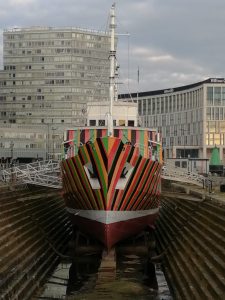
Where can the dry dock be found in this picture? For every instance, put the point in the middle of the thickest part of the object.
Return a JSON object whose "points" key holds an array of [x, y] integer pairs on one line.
{"points": [[191, 235], [35, 233], [33, 228]]}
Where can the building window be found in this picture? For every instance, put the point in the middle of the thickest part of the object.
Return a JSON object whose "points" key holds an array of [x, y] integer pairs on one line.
{"points": [[153, 106], [140, 107], [149, 107], [144, 106], [92, 122], [163, 120], [210, 95], [121, 122], [223, 96], [162, 105], [130, 123], [217, 96], [101, 122]]}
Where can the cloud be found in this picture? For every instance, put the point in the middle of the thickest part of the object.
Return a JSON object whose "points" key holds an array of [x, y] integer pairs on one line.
{"points": [[172, 42], [14, 3]]}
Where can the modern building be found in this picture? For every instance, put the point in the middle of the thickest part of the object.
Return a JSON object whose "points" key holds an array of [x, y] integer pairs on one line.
{"points": [[191, 118], [49, 75]]}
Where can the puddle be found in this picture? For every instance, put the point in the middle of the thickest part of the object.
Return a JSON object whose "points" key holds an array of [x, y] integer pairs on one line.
{"points": [[135, 278]]}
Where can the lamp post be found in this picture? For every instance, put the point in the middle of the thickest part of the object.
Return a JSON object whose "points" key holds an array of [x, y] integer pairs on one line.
{"points": [[53, 142], [11, 151], [48, 139], [11, 162]]}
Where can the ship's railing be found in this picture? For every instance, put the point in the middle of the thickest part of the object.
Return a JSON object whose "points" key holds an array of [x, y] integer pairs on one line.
{"points": [[70, 148], [150, 151], [46, 173]]}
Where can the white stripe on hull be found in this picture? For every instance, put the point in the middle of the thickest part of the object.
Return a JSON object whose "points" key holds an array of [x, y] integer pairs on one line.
{"points": [[110, 216]]}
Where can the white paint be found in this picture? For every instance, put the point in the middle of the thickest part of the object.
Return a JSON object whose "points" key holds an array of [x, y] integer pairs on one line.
{"points": [[110, 216]]}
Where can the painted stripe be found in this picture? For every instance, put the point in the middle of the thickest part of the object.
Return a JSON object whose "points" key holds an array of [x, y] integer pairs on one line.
{"points": [[108, 156], [110, 216]]}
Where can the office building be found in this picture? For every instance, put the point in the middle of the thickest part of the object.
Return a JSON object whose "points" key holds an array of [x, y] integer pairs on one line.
{"points": [[191, 118], [49, 75]]}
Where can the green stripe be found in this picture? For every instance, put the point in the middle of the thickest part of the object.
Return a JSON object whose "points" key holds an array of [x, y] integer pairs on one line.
{"points": [[125, 135], [85, 183], [105, 142], [142, 140], [84, 154], [99, 167], [72, 169], [92, 135]]}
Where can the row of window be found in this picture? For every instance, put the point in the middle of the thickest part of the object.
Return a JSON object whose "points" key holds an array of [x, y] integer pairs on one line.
{"points": [[53, 35], [53, 45], [215, 96], [22, 135], [22, 145], [172, 119], [74, 82], [215, 113], [58, 89], [192, 140], [35, 97], [215, 126], [53, 52], [167, 104], [215, 139], [115, 123]]}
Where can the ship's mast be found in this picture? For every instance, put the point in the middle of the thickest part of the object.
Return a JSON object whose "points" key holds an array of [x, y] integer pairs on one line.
{"points": [[112, 58]]}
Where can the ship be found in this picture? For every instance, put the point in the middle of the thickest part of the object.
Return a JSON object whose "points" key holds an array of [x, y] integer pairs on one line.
{"points": [[111, 174]]}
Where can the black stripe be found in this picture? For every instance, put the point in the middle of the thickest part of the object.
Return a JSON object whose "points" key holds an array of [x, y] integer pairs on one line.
{"points": [[114, 199], [82, 136], [133, 137], [130, 154], [102, 150], [130, 181], [116, 132], [144, 184], [120, 148], [89, 146]]}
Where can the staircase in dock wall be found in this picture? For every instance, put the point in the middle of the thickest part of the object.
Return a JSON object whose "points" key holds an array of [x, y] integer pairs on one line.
{"points": [[192, 236], [33, 223]]}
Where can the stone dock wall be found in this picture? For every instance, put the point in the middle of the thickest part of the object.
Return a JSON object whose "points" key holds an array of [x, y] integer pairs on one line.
{"points": [[190, 233], [34, 229]]}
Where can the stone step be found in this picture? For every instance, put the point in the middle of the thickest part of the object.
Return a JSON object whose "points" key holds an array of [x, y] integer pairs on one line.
{"points": [[212, 280], [181, 277], [197, 229]]}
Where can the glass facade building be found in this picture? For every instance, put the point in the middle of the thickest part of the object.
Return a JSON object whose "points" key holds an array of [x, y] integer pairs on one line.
{"points": [[191, 118]]}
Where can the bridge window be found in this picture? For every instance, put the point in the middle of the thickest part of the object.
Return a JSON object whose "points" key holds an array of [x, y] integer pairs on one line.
{"points": [[130, 123], [101, 122], [121, 122], [92, 122]]}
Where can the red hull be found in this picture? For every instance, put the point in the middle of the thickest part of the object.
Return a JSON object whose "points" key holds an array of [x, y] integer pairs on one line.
{"points": [[110, 234]]}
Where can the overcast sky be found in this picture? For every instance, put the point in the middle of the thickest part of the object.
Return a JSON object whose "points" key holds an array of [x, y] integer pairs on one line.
{"points": [[173, 42]]}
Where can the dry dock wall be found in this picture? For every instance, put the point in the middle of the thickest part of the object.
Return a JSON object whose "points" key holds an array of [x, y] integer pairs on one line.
{"points": [[33, 227], [191, 233]]}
